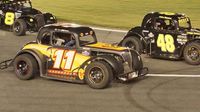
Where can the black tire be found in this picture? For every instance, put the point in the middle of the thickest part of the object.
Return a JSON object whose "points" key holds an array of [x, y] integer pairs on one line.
{"points": [[102, 69], [25, 66], [132, 42], [191, 53], [19, 27], [1, 18]]}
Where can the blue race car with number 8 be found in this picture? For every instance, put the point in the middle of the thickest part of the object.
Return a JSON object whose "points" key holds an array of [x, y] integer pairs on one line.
{"points": [[19, 16], [165, 35]]}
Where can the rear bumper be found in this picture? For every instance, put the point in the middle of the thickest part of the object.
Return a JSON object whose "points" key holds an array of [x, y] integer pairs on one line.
{"points": [[5, 64]]}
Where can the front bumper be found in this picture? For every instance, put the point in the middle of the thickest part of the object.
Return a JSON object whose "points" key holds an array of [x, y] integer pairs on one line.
{"points": [[132, 75], [133, 66]]}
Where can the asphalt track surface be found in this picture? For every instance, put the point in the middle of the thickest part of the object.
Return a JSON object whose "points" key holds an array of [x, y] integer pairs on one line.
{"points": [[149, 94]]}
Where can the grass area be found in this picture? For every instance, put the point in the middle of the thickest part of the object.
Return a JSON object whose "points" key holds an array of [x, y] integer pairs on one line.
{"points": [[122, 14]]}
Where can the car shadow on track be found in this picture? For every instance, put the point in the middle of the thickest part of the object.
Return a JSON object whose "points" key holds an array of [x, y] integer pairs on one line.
{"points": [[162, 66]]}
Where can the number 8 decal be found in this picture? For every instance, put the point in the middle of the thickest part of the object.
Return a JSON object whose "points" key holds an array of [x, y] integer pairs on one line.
{"points": [[9, 20], [63, 59]]}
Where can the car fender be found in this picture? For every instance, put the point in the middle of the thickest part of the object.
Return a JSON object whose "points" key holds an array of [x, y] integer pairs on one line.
{"points": [[183, 47], [30, 21], [41, 59], [115, 65], [136, 31], [49, 18]]}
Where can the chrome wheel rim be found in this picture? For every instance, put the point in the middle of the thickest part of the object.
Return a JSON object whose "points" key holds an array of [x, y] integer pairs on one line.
{"points": [[193, 53], [96, 75], [22, 68]]}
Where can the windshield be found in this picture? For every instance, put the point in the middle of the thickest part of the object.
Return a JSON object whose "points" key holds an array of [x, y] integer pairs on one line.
{"points": [[24, 4], [27, 5], [87, 39], [184, 23]]}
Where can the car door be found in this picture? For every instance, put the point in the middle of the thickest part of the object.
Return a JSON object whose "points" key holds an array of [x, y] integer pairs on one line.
{"points": [[164, 42], [148, 35], [64, 62]]}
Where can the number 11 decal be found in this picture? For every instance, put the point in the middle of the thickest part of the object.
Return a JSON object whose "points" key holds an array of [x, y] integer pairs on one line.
{"points": [[63, 59]]}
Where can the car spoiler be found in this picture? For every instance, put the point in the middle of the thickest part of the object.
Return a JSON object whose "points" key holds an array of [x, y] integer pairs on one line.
{"points": [[5, 64]]}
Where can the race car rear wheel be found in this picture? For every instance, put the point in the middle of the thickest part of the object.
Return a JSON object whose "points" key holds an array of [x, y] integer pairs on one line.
{"points": [[19, 27], [191, 53], [25, 66], [132, 42], [98, 74]]}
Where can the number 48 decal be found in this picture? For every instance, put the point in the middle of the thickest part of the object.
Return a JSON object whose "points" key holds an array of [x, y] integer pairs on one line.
{"points": [[166, 43], [63, 59]]}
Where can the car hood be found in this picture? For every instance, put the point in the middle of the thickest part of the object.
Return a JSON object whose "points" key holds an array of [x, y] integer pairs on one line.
{"points": [[194, 31], [106, 46], [30, 11]]}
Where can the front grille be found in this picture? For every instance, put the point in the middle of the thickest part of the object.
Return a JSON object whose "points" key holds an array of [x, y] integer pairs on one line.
{"points": [[136, 60], [127, 58]]}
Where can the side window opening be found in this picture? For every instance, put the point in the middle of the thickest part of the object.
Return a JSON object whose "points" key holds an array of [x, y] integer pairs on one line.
{"points": [[164, 24], [171, 25], [160, 24], [184, 23], [63, 39], [87, 39]]}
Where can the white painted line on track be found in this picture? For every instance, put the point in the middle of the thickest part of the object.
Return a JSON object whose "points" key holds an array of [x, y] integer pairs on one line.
{"points": [[112, 30], [172, 75]]}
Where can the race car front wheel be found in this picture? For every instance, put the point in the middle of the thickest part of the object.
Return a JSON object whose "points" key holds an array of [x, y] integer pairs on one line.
{"points": [[19, 27], [98, 75], [192, 53], [132, 42], [25, 66]]}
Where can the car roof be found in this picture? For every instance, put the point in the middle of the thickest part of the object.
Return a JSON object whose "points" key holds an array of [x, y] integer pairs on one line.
{"points": [[79, 30], [166, 14], [14, 1]]}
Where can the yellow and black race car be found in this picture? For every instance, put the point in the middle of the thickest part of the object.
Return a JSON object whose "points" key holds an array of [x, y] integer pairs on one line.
{"points": [[166, 35], [19, 16], [73, 54]]}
